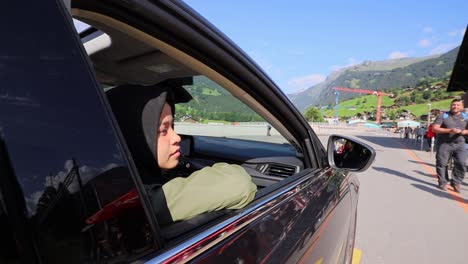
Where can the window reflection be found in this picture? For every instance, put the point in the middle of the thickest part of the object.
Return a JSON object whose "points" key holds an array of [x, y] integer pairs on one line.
{"points": [[66, 161]]}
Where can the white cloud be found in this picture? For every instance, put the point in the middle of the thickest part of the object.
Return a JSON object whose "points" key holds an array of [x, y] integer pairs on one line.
{"points": [[442, 48], [397, 55], [306, 81], [458, 32], [424, 43], [86, 174], [351, 61], [427, 30]]}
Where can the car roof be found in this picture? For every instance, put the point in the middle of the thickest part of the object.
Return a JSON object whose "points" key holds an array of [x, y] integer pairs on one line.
{"points": [[119, 58], [459, 79]]}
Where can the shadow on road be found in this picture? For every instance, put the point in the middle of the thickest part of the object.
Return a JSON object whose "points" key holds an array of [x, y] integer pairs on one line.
{"points": [[399, 174], [419, 162], [434, 190], [425, 174], [439, 193]]}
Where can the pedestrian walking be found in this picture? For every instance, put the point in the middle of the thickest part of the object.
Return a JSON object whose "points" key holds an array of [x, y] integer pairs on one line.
{"points": [[421, 131], [415, 132], [429, 135], [407, 132], [268, 130], [451, 128]]}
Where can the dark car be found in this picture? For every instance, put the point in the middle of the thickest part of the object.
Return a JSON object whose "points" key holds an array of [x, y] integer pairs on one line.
{"points": [[73, 188]]}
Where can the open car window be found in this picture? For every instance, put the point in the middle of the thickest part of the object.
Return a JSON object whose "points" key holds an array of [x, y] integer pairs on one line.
{"points": [[221, 124], [216, 112]]}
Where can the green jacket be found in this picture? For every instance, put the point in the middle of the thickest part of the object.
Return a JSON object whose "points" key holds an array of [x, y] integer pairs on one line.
{"points": [[222, 186]]}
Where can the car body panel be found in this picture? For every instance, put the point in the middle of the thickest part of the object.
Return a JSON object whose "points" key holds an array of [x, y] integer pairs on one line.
{"points": [[280, 228]]}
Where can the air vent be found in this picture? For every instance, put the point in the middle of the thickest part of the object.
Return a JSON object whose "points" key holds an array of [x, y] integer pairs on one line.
{"points": [[279, 170]]}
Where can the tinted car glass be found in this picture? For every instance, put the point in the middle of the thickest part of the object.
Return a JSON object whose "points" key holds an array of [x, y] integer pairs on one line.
{"points": [[8, 252], [61, 146]]}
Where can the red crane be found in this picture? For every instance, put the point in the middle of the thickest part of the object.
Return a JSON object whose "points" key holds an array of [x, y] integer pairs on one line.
{"points": [[362, 91]]}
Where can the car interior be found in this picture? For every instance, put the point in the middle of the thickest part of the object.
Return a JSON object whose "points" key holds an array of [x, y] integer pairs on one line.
{"points": [[124, 56], [116, 65]]}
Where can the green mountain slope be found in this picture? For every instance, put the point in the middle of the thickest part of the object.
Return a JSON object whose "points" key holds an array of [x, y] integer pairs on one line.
{"points": [[212, 102], [374, 78]]}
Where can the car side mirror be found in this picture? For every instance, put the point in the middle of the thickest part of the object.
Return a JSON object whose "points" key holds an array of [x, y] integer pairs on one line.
{"points": [[349, 154]]}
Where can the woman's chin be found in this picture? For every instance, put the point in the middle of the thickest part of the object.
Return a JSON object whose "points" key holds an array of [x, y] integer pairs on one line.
{"points": [[169, 164]]}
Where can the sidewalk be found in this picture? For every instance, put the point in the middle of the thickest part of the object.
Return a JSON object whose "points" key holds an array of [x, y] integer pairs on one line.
{"points": [[424, 155], [428, 161]]}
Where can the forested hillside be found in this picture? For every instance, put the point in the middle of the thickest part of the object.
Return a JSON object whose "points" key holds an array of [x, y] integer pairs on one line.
{"points": [[212, 102]]}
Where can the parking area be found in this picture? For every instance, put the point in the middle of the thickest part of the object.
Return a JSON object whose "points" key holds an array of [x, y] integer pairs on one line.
{"points": [[402, 216]]}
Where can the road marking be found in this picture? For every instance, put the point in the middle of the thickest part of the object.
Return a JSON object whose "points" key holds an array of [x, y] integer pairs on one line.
{"points": [[319, 261], [455, 196], [356, 256]]}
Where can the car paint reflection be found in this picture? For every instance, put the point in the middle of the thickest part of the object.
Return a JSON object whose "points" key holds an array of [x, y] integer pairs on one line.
{"points": [[283, 227]]}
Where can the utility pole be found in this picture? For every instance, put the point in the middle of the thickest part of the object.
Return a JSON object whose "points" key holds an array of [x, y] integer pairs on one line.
{"points": [[335, 110], [429, 115]]}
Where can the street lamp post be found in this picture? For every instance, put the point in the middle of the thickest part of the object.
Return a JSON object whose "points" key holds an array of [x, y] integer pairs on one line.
{"points": [[429, 115], [428, 124]]}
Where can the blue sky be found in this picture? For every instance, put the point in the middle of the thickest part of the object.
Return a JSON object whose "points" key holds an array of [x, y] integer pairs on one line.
{"points": [[299, 42]]}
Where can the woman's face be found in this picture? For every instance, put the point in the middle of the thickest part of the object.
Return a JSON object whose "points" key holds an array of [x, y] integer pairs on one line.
{"points": [[168, 140]]}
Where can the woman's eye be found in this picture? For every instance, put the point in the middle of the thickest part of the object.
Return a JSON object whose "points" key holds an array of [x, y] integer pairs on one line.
{"points": [[162, 131]]}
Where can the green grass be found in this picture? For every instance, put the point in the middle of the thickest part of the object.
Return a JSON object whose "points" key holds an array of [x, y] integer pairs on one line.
{"points": [[212, 92], [361, 104], [351, 107], [421, 109], [206, 121]]}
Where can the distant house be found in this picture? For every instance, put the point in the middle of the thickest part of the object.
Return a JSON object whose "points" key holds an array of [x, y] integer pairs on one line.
{"points": [[409, 123], [188, 119]]}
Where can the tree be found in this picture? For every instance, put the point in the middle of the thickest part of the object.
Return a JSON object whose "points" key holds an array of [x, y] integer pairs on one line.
{"points": [[404, 100], [392, 114], [312, 114], [426, 95]]}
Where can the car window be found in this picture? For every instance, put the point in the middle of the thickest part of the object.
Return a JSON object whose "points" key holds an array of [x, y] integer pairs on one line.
{"points": [[77, 197], [216, 112]]}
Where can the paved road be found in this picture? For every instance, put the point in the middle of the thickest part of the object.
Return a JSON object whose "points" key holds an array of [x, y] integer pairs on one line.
{"points": [[402, 216]]}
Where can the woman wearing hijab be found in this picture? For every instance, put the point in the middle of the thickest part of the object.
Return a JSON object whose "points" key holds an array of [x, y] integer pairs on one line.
{"points": [[146, 118]]}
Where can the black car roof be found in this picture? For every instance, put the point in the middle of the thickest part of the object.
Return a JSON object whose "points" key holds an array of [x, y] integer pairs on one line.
{"points": [[459, 78]]}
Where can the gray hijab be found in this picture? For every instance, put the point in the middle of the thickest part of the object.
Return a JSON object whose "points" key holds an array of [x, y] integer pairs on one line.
{"points": [[137, 110]]}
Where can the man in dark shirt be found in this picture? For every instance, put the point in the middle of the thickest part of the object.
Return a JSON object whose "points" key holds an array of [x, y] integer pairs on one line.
{"points": [[451, 128]]}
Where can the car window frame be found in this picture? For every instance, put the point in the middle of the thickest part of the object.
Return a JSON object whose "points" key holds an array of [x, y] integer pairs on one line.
{"points": [[229, 80]]}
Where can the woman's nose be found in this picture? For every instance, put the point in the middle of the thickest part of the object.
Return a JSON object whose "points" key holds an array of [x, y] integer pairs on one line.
{"points": [[175, 137]]}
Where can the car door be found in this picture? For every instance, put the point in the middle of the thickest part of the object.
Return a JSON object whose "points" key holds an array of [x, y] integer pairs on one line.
{"points": [[304, 217], [64, 172]]}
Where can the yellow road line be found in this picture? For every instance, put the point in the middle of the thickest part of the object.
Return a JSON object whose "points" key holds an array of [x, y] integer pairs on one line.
{"points": [[319, 261], [356, 256]]}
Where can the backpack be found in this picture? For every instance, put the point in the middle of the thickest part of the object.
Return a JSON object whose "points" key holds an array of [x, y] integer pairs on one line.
{"points": [[446, 115]]}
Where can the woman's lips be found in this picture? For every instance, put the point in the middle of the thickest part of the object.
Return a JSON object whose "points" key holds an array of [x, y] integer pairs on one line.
{"points": [[176, 154]]}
